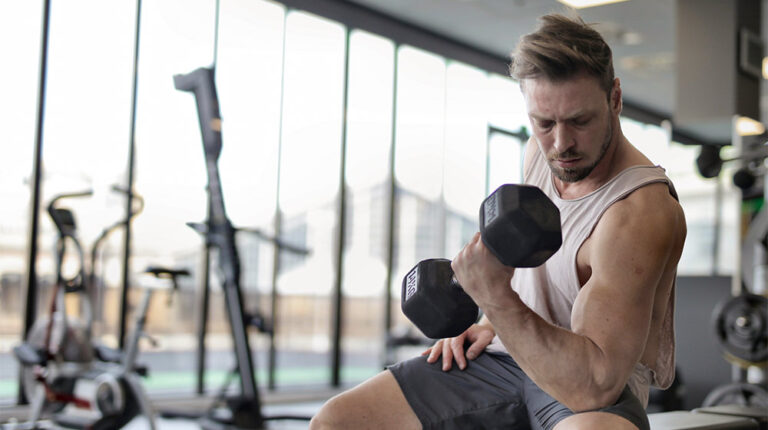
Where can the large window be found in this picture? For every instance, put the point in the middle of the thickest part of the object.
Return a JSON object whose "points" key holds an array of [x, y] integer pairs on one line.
{"points": [[86, 142], [419, 159], [367, 175], [19, 40], [309, 184], [466, 131], [170, 175], [249, 82], [507, 122]]}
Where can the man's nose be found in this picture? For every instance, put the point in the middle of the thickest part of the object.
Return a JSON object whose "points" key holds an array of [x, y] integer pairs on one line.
{"points": [[563, 138]]}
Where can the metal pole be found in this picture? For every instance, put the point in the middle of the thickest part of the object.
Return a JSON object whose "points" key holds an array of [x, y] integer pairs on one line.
{"points": [[391, 216], [202, 322], [129, 195], [338, 295], [442, 207], [278, 226], [30, 306], [205, 284], [717, 227]]}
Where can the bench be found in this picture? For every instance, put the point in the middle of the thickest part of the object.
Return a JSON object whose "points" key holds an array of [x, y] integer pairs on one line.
{"points": [[726, 417]]}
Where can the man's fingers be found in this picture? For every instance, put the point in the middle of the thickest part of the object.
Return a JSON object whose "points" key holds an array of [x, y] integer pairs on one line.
{"points": [[447, 355], [434, 351], [475, 350], [451, 349], [457, 348], [478, 340]]}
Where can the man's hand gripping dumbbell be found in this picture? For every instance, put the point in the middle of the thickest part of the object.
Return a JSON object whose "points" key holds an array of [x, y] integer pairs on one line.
{"points": [[519, 225]]}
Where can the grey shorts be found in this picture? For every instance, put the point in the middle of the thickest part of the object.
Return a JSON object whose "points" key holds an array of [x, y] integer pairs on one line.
{"points": [[492, 392]]}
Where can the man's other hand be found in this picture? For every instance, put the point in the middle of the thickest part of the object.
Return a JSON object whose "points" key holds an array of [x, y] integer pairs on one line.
{"points": [[478, 337]]}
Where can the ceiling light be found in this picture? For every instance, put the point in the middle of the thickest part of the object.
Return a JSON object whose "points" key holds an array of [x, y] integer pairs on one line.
{"points": [[747, 126], [580, 4]]}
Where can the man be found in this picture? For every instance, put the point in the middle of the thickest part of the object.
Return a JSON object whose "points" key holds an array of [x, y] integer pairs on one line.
{"points": [[576, 342]]}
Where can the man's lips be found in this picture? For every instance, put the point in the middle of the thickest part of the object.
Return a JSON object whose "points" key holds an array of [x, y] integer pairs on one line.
{"points": [[567, 162]]}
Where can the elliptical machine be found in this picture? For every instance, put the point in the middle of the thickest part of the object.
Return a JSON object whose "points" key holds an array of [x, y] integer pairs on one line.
{"points": [[59, 354]]}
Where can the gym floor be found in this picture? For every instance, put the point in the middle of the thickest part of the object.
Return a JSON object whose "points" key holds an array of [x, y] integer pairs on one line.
{"points": [[298, 409], [271, 408]]}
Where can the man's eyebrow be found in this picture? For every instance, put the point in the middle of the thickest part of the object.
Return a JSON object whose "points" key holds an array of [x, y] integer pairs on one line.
{"points": [[539, 117], [571, 117]]}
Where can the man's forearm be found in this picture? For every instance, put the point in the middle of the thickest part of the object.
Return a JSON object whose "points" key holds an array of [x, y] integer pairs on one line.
{"points": [[484, 321], [569, 367]]}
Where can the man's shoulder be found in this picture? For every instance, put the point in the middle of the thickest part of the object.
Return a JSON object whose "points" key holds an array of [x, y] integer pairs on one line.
{"points": [[650, 209], [653, 197]]}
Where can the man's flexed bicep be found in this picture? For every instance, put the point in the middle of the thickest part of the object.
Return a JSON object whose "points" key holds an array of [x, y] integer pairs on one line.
{"points": [[636, 243]]}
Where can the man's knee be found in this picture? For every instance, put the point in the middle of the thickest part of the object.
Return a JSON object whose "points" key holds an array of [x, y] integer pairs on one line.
{"points": [[376, 403], [595, 421], [331, 414]]}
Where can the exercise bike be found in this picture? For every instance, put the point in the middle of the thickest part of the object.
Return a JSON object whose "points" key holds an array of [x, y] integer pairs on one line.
{"points": [[59, 355]]}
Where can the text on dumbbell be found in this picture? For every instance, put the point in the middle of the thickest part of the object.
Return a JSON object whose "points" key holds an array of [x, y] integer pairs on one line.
{"points": [[491, 208], [410, 286]]}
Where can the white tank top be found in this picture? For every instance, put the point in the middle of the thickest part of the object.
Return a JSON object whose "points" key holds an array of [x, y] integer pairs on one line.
{"points": [[551, 289]]}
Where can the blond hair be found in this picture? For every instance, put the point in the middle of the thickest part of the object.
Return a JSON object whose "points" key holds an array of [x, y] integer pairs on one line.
{"points": [[560, 48]]}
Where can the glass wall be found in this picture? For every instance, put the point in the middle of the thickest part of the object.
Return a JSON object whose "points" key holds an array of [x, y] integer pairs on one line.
{"points": [[21, 24], [367, 178], [309, 184], [86, 135], [419, 157], [249, 83], [466, 131], [170, 175], [507, 121]]}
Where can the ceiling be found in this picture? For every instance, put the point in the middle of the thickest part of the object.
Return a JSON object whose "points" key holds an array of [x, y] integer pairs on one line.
{"points": [[641, 34]]}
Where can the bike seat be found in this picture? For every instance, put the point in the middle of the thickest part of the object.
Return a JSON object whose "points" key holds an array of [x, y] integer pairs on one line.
{"points": [[112, 355], [164, 272]]}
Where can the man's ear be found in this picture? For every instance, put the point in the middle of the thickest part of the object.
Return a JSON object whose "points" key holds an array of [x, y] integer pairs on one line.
{"points": [[616, 100]]}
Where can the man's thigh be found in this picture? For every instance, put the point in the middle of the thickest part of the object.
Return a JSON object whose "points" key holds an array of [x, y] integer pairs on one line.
{"points": [[486, 394], [595, 421], [377, 403], [547, 413]]}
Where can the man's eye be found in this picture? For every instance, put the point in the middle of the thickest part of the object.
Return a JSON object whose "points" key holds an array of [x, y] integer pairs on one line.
{"points": [[545, 124], [581, 121]]}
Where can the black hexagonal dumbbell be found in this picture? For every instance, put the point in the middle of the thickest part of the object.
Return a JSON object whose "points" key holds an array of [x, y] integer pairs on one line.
{"points": [[519, 224]]}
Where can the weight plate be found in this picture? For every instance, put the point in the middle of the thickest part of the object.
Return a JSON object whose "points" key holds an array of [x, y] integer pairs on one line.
{"points": [[741, 326]]}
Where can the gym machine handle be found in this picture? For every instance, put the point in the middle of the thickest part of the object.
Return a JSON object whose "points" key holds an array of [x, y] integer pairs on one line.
{"points": [[201, 83], [62, 218]]}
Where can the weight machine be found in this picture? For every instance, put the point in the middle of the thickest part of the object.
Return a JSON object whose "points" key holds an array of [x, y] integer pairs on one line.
{"points": [[741, 322], [243, 410]]}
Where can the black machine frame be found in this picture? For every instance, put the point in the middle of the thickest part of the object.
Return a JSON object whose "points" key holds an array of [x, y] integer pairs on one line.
{"points": [[244, 409]]}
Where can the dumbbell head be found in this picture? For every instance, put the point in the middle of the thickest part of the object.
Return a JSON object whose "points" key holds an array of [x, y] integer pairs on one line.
{"points": [[520, 225], [433, 300]]}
